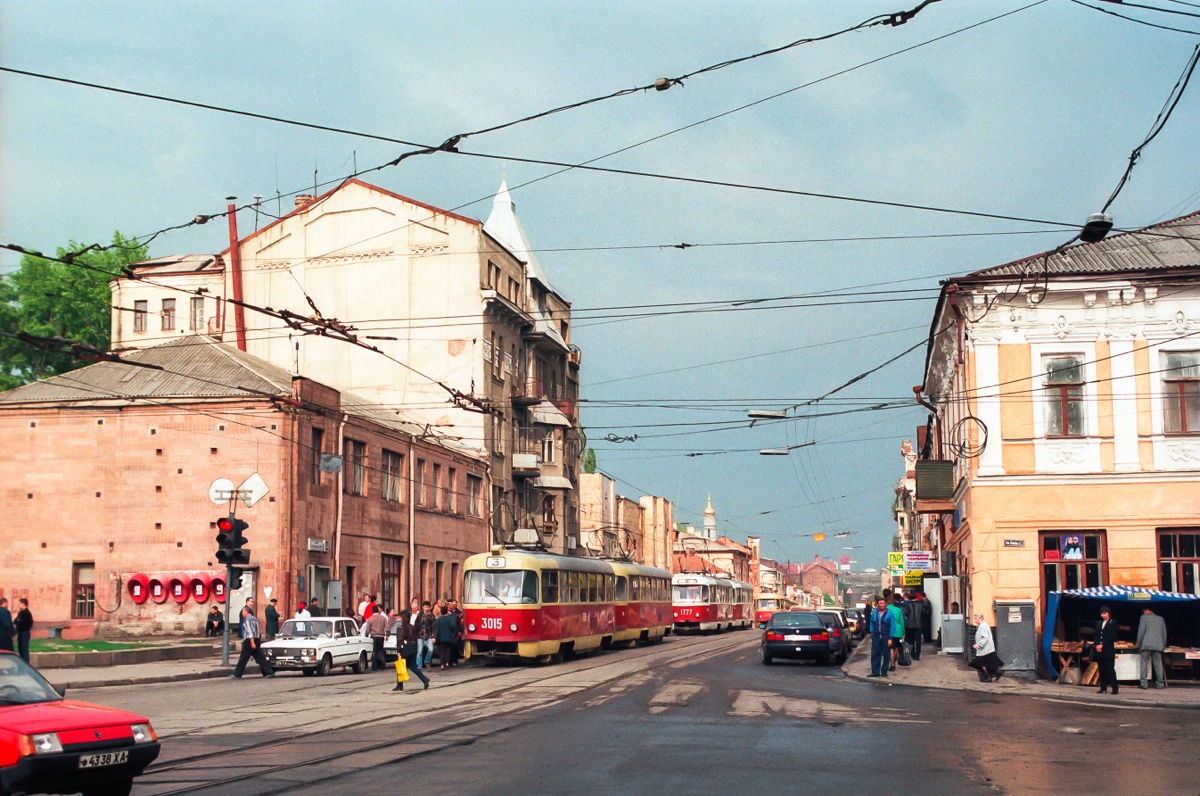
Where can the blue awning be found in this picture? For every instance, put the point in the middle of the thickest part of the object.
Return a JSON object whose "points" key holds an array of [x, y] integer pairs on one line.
{"points": [[1114, 594]]}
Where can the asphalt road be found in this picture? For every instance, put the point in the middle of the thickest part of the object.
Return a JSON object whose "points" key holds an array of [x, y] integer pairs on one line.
{"points": [[694, 715]]}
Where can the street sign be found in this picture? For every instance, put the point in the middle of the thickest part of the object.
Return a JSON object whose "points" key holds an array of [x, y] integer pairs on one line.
{"points": [[895, 560], [221, 491], [918, 561], [844, 560], [253, 489], [895, 571]]}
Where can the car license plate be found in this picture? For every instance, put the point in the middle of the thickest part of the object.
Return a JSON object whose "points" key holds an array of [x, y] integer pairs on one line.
{"points": [[105, 759], [797, 638]]}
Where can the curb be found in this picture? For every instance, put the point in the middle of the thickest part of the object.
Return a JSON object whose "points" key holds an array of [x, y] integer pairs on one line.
{"points": [[210, 674], [1089, 697]]}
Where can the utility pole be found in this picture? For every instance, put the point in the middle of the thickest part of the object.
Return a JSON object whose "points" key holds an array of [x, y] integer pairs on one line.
{"points": [[235, 267]]}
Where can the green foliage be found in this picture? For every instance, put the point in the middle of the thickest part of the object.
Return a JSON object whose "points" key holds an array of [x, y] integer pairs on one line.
{"points": [[589, 460], [52, 299]]}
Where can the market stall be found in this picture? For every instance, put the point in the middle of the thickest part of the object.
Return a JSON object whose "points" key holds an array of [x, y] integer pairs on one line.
{"points": [[1072, 616]]}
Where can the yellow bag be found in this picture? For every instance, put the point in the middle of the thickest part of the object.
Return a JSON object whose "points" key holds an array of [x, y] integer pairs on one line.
{"points": [[401, 671]]}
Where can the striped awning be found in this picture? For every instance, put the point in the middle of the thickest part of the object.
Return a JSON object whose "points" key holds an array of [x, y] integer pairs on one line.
{"points": [[1128, 594]]}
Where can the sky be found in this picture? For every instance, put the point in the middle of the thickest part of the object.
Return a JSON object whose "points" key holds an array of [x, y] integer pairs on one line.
{"points": [[1032, 115]]}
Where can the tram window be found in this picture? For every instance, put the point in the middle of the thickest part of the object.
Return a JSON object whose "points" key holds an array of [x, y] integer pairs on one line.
{"points": [[608, 588], [501, 587], [593, 587], [622, 590], [550, 586], [684, 593], [572, 587], [635, 589], [529, 591]]}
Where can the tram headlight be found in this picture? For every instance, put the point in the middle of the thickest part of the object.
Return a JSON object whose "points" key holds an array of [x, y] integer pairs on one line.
{"points": [[471, 628], [513, 627]]}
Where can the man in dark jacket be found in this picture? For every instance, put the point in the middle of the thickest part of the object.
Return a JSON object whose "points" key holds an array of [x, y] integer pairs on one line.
{"points": [[272, 617], [881, 634], [7, 629], [24, 626], [912, 624], [1106, 651], [457, 613]]}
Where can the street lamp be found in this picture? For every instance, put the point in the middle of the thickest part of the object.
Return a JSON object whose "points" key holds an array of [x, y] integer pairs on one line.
{"points": [[767, 414], [785, 451]]}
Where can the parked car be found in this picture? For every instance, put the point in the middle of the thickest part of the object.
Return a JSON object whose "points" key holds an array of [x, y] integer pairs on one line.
{"points": [[860, 624], [796, 635], [840, 641], [49, 744], [317, 646]]}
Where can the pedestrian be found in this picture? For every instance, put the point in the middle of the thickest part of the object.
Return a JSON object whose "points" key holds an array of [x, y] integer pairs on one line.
{"points": [[897, 626], [272, 617], [248, 631], [24, 626], [447, 635], [362, 606], [214, 625], [7, 629], [954, 609], [426, 632], [1105, 651], [912, 624], [314, 608], [406, 649], [1151, 641], [302, 611], [926, 618], [881, 633], [414, 612], [458, 639], [376, 628], [986, 660]]}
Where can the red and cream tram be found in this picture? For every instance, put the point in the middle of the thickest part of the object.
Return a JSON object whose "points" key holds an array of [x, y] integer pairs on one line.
{"points": [[705, 602], [533, 604], [768, 604]]}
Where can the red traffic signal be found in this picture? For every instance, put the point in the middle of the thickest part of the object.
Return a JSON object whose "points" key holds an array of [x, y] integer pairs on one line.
{"points": [[230, 541]]}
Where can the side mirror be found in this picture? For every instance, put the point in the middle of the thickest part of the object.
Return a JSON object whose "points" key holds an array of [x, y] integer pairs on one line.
{"points": [[61, 690]]}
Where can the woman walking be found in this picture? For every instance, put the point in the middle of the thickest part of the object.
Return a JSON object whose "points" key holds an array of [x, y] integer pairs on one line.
{"points": [[986, 660], [406, 649], [447, 636]]}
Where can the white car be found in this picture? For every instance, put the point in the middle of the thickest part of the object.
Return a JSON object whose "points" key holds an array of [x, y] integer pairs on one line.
{"points": [[316, 646]]}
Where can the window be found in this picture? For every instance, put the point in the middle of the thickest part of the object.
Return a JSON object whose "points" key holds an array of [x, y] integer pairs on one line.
{"points": [[497, 355], [140, 310], [550, 586], [423, 584], [393, 477], [497, 435], [497, 498], [1179, 560], [514, 291], [493, 276], [474, 495], [451, 489], [436, 487], [1072, 560], [502, 587], [455, 580], [168, 315], [419, 484], [548, 515], [1181, 392], [548, 448], [355, 467], [318, 441], [197, 319], [622, 589], [439, 570], [1064, 395], [392, 571], [83, 583]]}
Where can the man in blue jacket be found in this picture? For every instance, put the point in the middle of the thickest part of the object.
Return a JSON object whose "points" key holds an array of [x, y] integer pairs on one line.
{"points": [[881, 634]]}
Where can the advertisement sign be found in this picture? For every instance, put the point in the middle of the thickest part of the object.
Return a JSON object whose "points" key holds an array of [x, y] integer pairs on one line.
{"points": [[895, 560], [913, 578], [919, 561]]}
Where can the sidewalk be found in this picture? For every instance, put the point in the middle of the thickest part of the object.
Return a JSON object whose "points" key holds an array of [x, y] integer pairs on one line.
{"points": [[141, 673], [951, 673]]}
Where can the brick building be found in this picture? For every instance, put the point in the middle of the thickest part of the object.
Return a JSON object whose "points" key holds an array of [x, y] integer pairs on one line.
{"points": [[108, 469], [819, 576]]}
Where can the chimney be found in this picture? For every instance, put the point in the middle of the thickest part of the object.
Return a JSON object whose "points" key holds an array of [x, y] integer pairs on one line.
{"points": [[304, 200]]}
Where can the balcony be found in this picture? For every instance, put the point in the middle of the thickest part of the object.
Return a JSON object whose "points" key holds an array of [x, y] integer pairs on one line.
{"points": [[527, 392], [568, 408], [526, 465], [935, 486], [575, 356]]}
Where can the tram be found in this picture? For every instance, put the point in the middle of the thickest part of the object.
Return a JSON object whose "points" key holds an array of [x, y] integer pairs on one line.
{"points": [[523, 603], [703, 602], [770, 603]]}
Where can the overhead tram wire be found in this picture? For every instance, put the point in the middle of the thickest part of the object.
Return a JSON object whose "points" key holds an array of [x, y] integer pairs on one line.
{"points": [[1143, 7], [1135, 19]]}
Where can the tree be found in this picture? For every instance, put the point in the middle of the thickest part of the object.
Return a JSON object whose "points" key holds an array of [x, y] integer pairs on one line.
{"points": [[51, 299], [589, 460]]}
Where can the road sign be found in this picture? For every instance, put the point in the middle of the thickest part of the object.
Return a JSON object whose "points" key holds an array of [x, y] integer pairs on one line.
{"points": [[221, 491], [844, 561], [919, 561], [253, 489]]}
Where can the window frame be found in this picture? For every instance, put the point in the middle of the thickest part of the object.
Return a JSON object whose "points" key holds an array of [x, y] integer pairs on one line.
{"points": [[1175, 391], [83, 595], [1177, 560], [196, 314], [141, 315], [1044, 560], [392, 480], [317, 446], [354, 465], [168, 315], [1057, 398]]}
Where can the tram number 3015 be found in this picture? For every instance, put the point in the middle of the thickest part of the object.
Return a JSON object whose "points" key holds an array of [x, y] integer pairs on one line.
{"points": [[491, 623]]}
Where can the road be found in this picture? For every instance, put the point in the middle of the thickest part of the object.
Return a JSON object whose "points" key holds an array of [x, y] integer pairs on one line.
{"points": [[692, 715]]}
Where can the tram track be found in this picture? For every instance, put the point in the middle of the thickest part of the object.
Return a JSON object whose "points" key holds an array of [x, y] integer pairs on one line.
{"points": [[702, 648]]}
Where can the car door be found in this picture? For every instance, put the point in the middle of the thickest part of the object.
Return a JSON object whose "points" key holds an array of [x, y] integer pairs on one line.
{"points": [[344, 650]]}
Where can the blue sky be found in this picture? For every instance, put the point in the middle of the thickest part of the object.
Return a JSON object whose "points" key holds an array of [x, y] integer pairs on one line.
{"points": [[1033, 115]]}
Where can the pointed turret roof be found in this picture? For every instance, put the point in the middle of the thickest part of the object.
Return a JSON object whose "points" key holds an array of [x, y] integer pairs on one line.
{"points": [[503, 225]]}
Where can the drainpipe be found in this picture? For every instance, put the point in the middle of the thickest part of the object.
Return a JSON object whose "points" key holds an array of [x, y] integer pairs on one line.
{"points": [[412, 516], [337, 528], [235, 270]]}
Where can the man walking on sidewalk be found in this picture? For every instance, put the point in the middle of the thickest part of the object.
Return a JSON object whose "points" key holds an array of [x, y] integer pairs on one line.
{"points": [[377, 627], [897, 626], [1151, 641], [881, 634], [249, 632], [912, 624], [24, 625]]}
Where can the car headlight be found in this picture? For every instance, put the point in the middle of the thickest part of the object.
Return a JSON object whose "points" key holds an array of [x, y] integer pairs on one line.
{"points": [[46, 743], [513, 627], [471, 628], [143, 733], [309, 653]]}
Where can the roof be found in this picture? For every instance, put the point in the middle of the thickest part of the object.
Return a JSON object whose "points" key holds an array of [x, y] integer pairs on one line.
{"points": [[182, 264], [1171, 244], [193, 366], [503, 226]]}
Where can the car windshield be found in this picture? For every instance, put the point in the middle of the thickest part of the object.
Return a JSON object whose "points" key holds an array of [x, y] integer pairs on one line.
{"points": [[796, 619], [502, 587], [20, 684], [690, 593], [306, 628], [830, 617]]}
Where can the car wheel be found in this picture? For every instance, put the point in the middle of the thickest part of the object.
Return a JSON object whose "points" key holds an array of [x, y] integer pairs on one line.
{"points": [[309, 672], [325, 665], [767, 659], [360, 665]]}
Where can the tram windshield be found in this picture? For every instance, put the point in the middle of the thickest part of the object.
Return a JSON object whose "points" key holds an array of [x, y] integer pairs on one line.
{"points": [[691, 593], [499, 587], [768, 605]]}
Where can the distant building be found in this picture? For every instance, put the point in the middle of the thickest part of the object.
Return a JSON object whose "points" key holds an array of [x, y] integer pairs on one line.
{"points": [[614, 525], [819, 576], [109, 473], [695, 552]]}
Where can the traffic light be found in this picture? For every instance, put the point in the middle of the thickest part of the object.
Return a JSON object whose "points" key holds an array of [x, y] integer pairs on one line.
{"points": [[231, 540], [235, 579]]}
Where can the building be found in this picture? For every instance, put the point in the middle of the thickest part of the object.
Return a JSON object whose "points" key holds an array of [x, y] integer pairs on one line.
{"points": [[819, 577], [471, 338], [110, 467], [909, 531], [696, 552], [658, 531], [614, 525], [1063, 444]]}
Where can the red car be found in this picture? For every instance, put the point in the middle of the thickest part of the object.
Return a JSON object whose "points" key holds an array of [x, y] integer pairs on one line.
{"points": [[53, 745]]}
